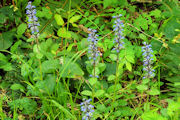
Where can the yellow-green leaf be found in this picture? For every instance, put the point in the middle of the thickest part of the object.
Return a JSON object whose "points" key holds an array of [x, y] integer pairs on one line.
{"points": [[62, 32], [74, 18], [59, 19], [128, 66]]}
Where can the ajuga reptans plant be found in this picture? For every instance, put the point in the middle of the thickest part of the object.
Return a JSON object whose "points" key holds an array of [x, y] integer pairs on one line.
{"points": [[148, 61], [93, 49], [118, 29], [32, 19], [87, 109]]}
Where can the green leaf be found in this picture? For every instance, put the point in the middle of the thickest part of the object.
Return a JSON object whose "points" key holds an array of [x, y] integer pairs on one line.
{"points": [[113, 57], [21, 29], [156, 13], [36, 2], [59, 19], [4, 64], [70, 69], [92, 81], [154, 91], [99, 93], [128, 66], [74, 18], [130, 58], [26, 105], [25, 70], [6, 40], [50, 66], [111, 77], [142, 87], [86, 92], [113, 88], [17, 87], [62, 32]]}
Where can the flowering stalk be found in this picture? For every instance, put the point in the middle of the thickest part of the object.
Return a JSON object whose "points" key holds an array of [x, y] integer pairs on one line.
{"points": [[87, 109], [32, 19], [93, 49], [118, 29], [148, 61]]}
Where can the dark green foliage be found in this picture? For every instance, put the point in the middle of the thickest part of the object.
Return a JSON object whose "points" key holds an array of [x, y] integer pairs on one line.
{"points": [[47, 77]]}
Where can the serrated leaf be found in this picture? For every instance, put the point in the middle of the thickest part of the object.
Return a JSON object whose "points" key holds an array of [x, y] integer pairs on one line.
{"points": [[62, 32], [59, 19]]}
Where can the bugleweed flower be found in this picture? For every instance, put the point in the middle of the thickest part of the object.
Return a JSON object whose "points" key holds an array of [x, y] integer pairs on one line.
{"points": [[87, 109], [148, 61], [118, 29], [32, 19], [93, 49]]}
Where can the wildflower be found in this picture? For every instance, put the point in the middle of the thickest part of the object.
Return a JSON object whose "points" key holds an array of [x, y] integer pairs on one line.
{"points": [[148, 61], [93, 50], [87, 109], [118, 29], [32, 19]]}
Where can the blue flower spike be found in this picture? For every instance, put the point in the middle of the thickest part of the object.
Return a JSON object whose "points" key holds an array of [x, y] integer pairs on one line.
{"points": [[93, 49], [148, 61], [87, 109], [118, 29], [32, 19]]}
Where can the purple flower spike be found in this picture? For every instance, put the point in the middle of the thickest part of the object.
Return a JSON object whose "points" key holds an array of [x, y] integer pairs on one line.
{"points": [[148, 61], [93, 49], [87, 109], [118, 29], [32, 19]]}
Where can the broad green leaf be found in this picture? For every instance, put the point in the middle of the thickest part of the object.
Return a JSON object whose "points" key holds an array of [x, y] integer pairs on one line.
{"points": [[142, 87], [62, 32], [154, 91], [156, 13], [113, 57], [99, 93], [86, 92], [50, 66], [92, 81], [25, 70], [6, 40], [128, 66], [70, 69], [36, 2], [4, 64], [59, 19], [113, 88], [21, 29], [101, 66], [74, 18], [17, 87], [130, 58], [111, 77]]}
